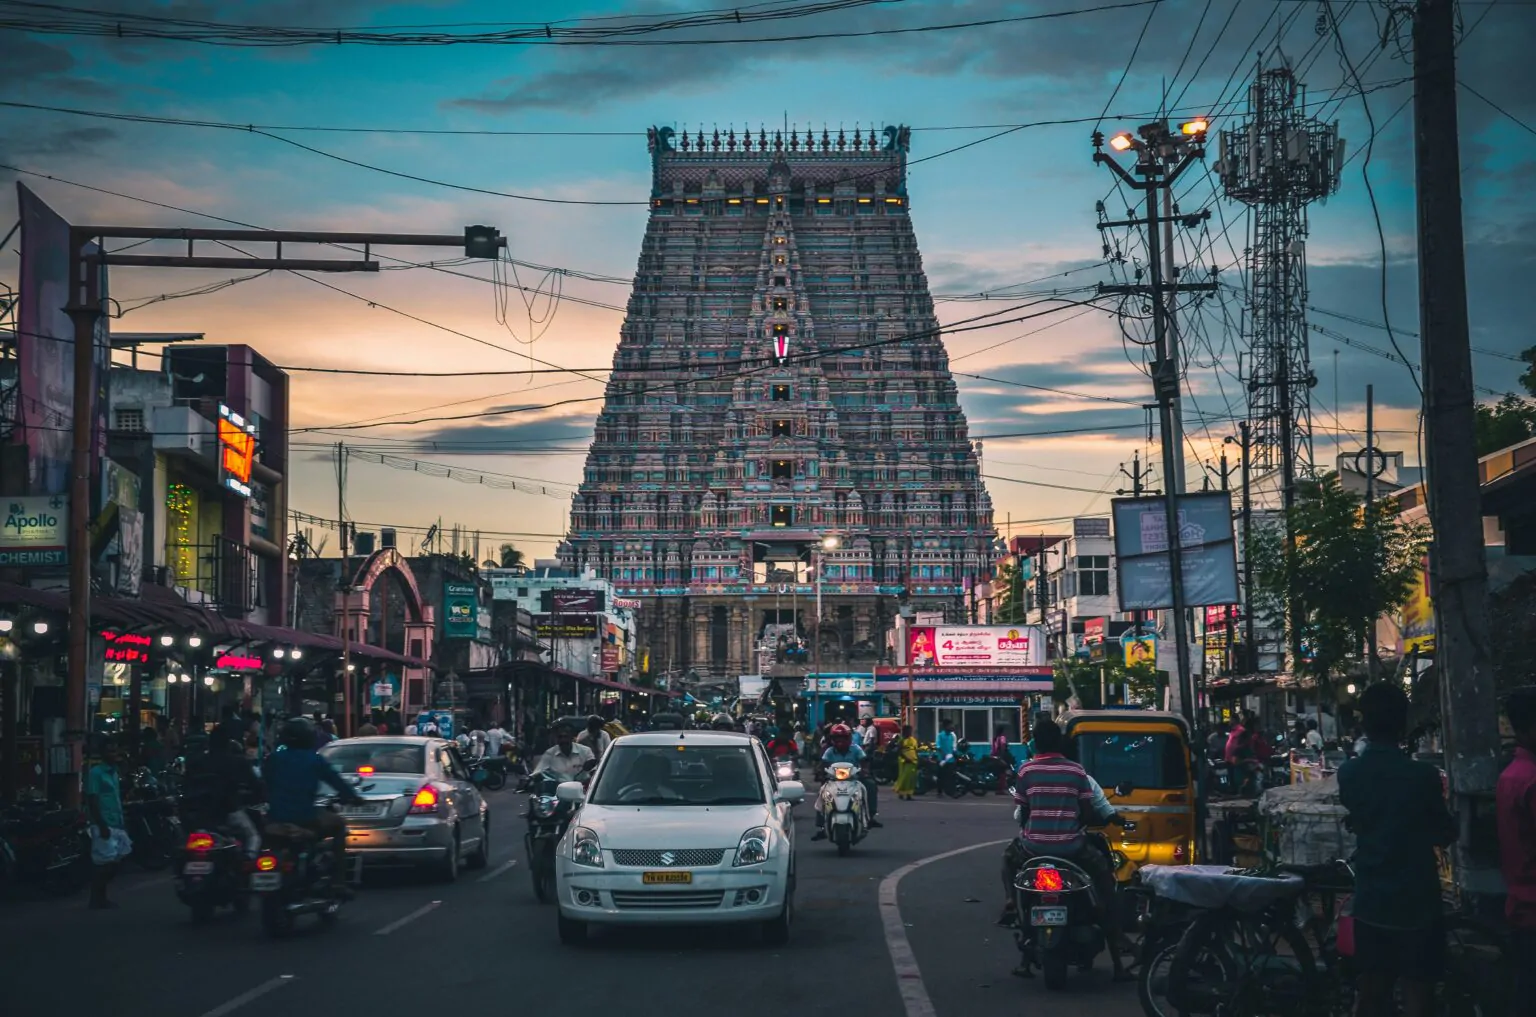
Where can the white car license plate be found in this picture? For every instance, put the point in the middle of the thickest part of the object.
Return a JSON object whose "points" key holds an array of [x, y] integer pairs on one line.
{"points": [[363, 811], [197, 868], [266, 882], [1047, 916]]}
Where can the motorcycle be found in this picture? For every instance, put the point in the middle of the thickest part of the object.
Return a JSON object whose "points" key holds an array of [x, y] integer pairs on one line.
{"points": [[843, 807], [785, 769], [547, 819], [47, 847], [211, 872], [294, 875], [489, 772], [1060, 915]]}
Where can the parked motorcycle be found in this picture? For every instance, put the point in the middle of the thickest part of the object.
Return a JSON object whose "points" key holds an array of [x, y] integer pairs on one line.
{"points": [[1060, 916], [843, 807], [211, 872], [547, 819], [294, 875], [489, 772], [44, 846]]}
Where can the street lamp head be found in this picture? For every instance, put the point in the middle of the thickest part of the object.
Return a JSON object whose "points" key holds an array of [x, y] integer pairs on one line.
{"points": [[830, 543], [1195, 128], [40, 628], [194, 641], [1123, 142], [167, 640], [278, 652], [295, 653]]}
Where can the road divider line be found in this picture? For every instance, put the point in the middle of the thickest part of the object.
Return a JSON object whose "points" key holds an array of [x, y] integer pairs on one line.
{"points": [[909, 978], [249, 996], [401, 923], [498, 870]]}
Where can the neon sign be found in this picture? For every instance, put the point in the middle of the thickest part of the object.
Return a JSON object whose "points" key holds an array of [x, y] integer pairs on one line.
{"points": [[235, 662], [125, 648], [237, 451]]}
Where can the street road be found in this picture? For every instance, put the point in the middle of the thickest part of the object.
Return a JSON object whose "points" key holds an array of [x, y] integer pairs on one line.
{"points": [[408, 945]]}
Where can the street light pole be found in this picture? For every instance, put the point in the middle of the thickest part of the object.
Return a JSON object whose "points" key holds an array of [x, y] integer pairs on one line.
{"points": [[827, 544]]}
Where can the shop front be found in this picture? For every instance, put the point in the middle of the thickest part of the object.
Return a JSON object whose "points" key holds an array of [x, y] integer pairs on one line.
{"points": [[976, 701]]}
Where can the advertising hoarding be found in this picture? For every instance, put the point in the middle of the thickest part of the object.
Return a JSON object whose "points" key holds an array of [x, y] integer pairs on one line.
{"points": [[461, 604], [575, 601], [1208, 551], [975, 646], [566, 626]]}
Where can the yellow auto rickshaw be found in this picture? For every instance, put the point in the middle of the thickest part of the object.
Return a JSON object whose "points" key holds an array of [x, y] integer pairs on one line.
{"points": [[1141, 758]]}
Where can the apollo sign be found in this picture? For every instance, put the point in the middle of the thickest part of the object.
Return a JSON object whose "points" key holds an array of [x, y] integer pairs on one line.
{"points": [[34, 531]]}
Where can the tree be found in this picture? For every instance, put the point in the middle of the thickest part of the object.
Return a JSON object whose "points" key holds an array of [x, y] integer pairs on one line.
{"points": [[1507, 422], [1083, 677], [511, 557], [1348, 568], [1011, 611]]}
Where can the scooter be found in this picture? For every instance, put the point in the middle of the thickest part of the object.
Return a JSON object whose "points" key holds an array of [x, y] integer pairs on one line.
{"points": [[1060, 923], [785, 769], [843, 807]]}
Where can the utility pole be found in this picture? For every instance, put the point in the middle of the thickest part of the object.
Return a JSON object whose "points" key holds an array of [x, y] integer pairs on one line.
{"points": [[87, 254], [1137, 475], [1161, 157], [1226, 487], [1246, 444], [344, 586], [1458, 563], [1371, 652]]}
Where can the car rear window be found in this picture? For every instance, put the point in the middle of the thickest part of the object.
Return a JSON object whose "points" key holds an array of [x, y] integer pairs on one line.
{"points": [[384, 757]]}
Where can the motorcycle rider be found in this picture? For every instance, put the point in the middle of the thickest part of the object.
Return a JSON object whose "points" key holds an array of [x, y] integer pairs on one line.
{"points": [[843, 750], [567, 759], [723, 722], [594, 737], [293, 777], [1054, 794], [782, 745], [220, 783]]}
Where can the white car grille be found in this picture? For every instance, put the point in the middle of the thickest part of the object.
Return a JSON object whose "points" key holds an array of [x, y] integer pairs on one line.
{"points": [[664, 900], [679, 858]]}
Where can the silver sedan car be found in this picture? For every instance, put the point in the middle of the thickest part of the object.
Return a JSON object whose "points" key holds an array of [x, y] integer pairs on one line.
{"points": [[420, 807]]}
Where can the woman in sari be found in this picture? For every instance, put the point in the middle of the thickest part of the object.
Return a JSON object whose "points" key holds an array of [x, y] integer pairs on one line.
{"points": [[906, 774]]}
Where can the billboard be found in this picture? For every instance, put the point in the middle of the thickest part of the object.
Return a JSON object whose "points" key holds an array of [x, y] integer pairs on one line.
{"points": [[566, 626], [1417, 629], [1208, 551], [574, 601], [35, 531], [461, 610], [1140, 648], [45, 349], [975, 646], [237, 451]]}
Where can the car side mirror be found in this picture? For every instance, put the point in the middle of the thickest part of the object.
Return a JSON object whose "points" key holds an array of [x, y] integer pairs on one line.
{"points": [[571, 792], [1124, 788], [791, 791]]}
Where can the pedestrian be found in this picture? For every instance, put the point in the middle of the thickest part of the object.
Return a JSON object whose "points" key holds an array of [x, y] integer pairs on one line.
{"points": [[367, 731], [496, 738], [1002, 753], [1397, 811], [1314, 737], [110, 843], [906, 773], [1517, 846]]}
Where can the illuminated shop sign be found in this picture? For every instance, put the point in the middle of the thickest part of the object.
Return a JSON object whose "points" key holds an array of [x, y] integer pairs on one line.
{"points": [[125, 648], [237, 451], [235, 662]]}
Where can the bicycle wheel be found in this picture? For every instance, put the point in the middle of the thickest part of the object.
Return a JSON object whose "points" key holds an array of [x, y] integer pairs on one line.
{"points": [[1476, 971], [1152, 984], [1233, 965]]}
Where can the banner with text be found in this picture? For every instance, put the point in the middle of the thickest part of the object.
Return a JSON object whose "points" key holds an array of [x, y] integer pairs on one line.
{"points": [[975, 646]]}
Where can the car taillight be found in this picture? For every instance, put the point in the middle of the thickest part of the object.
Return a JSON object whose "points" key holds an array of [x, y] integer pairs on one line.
{"points": [[1049, 880], [364, 770], [266, 863], [425, 801], [200, 842]]}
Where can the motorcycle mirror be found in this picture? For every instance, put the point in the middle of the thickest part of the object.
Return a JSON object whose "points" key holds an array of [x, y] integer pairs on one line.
{"points": [[1124, 788]]}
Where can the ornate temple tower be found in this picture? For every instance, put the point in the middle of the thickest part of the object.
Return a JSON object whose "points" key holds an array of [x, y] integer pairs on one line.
{"points": [[779, 380]]}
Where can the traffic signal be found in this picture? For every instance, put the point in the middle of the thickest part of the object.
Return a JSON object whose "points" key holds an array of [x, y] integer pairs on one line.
{"points": [[482, 242]]}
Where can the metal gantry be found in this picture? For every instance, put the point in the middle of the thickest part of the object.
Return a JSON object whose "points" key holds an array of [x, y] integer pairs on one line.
{"points": [[1280, 161]]}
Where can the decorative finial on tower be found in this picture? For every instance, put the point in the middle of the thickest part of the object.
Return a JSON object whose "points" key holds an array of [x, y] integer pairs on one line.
{"points": [[715, 145], [778, 141], [762, 138], [842, 140], [730, 140], [858, 138], [794, 140]]}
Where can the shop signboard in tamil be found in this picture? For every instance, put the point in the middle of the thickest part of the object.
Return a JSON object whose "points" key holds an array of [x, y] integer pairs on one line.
{"points": [[1090, 526], [125, 647], [461, 609], [610, 659], [976, 646], [35, 531], [237, 662], [840, 685], [1139, 648]]}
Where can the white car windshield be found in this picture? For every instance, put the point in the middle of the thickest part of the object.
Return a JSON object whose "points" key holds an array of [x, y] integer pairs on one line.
{"points": [[678, 774]]}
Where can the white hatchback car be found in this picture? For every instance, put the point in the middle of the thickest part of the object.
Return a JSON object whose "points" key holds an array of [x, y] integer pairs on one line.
{"points": [[679, 828]]}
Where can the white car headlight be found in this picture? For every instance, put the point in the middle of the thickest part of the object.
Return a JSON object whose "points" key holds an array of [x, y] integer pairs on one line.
{"points": [[753, 849], [585, 848]]}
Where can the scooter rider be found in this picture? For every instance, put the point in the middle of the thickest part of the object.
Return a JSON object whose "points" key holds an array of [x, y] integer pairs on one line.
{"points": [[567, 759], [293, 778], [1054, 794], [843, 750]]}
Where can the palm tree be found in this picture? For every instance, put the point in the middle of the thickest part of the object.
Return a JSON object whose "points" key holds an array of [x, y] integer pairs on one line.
{"points": [[511, 557]]}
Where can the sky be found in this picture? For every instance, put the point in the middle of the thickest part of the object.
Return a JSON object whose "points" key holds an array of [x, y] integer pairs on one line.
{"points": [[1011, 211]]}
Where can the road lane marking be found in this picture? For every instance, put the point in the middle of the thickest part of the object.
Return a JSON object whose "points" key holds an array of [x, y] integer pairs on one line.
{"points": [[909, 979], [400, 923], [246, 997], [498, 870]]}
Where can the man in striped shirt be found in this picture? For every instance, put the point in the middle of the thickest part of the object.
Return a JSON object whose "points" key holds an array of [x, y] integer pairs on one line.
{"points": [[1056, 800]]}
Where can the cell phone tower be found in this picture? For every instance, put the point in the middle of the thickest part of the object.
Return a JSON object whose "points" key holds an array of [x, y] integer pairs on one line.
{"points": [[1280, 161]]}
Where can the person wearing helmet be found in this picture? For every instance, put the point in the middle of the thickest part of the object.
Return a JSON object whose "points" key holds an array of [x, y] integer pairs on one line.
{"points": [[723, 722], [293, 775], [567, 759], [594, 737], [668, 722], [842, 749]]}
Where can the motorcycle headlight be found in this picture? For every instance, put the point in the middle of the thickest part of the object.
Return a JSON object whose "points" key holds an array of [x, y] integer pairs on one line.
{"points": [[544, 806], [753, 849], [585, 848]]}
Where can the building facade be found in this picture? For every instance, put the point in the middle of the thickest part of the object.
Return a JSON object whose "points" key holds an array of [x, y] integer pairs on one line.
{"points": [[781, 416]]}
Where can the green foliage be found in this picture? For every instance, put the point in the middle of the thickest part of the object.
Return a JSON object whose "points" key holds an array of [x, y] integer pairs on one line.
{"points": [[1346, 570], [1011, 611], [511, 557], [1528, 377], [1507, 422], [1083, 677]]}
